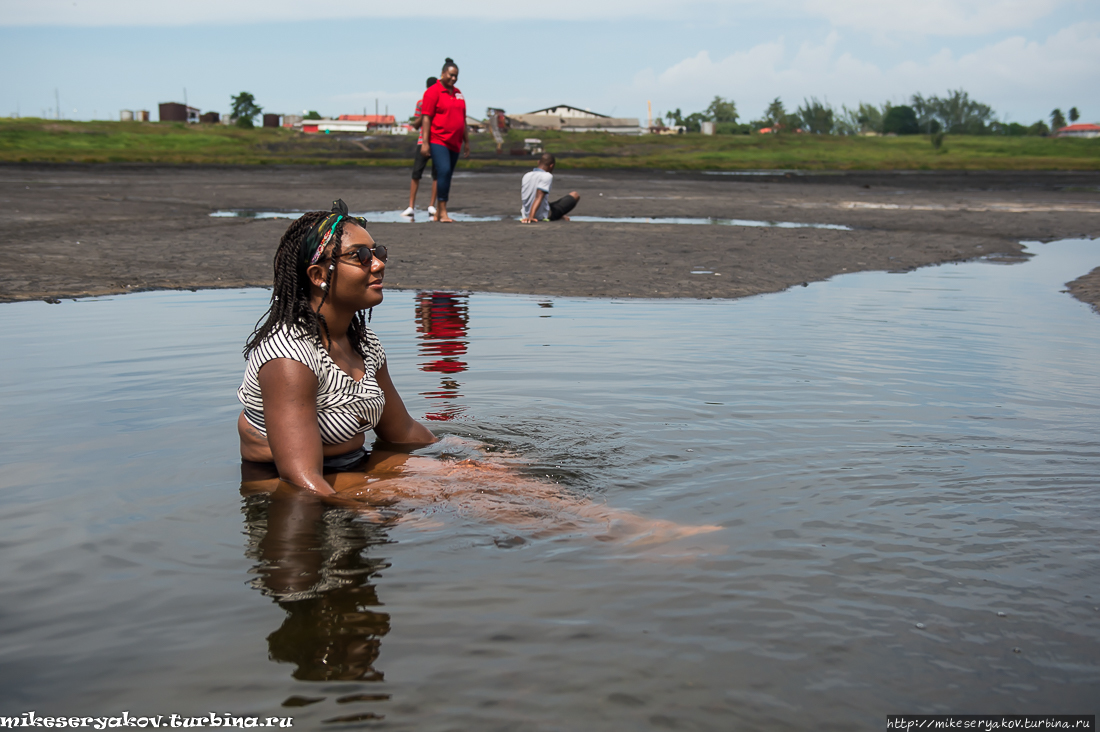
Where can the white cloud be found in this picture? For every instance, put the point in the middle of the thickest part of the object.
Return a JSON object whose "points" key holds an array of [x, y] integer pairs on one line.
{"points": [[927, 17], [933, 17], [1021, 78], [186, 12]]}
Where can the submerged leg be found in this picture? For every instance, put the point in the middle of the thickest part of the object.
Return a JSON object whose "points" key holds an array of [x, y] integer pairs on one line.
{"points": [[483, 490]]}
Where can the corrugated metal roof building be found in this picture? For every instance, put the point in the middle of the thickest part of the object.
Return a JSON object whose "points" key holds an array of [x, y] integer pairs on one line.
{"points": [[574, 119]]}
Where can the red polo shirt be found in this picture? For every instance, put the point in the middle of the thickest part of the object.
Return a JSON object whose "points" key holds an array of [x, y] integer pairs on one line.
{"points": [[447, 108]]}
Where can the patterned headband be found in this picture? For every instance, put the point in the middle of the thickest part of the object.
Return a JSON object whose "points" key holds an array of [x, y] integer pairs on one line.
{"points": [[314, 243]]}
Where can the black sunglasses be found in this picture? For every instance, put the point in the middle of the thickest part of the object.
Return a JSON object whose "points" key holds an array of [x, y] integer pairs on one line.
{"points": [[366, 255]]}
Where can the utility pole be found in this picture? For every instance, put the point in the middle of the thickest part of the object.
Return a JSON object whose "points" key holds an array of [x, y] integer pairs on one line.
{"points": [[57, 103], [376, 106]]}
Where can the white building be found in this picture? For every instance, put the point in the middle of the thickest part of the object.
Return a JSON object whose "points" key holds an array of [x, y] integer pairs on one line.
{"points": [[574, 119], [1079, 130]]}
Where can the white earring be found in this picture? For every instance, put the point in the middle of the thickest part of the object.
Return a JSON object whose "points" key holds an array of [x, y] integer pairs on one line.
{"points": [[324, 285]]}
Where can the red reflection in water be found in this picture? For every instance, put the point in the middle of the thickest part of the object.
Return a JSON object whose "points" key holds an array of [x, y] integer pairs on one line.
{"points": [[441, 322]]}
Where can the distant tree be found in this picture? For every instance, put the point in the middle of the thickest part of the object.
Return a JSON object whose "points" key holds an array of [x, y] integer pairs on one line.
{"points": [[1074, 115], [956, 113], [816, 117], [732, 128], [870, 118], [864, 118], [245, 109], [722, 110], [1010, 129], [778, 119], [901, 120], [847, 121], [1039, 129], [312, 114], [694, 121], [1057, 121], [674, 118], [775, 113]]}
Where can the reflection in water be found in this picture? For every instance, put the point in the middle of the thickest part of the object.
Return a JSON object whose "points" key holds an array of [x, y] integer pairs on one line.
{"points": [[442, 319], [311, 559]]}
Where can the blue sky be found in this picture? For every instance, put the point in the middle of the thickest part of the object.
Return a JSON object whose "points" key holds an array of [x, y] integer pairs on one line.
{"points": [[1023, 57]]}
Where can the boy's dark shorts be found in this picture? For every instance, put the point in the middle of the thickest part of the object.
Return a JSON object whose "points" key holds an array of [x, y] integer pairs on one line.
{"points": [[562, 207], [419, 161]]}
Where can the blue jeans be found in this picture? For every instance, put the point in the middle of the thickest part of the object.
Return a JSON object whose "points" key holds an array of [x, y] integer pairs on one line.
{"points": [[444, 160]]}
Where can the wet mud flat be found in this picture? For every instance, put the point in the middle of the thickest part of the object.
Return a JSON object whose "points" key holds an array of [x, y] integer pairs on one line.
{"points": [[72, 231]]}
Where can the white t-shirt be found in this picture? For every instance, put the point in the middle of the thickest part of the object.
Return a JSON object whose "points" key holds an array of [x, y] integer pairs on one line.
{"points": [[533, 182]]}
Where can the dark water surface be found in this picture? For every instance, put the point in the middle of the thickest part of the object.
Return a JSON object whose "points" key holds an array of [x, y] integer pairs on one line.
{"points": [[906, 467]]}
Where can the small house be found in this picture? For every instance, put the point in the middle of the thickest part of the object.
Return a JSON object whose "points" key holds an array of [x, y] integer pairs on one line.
{"points": [[378, 124], [1079, 130], [176, 112]]}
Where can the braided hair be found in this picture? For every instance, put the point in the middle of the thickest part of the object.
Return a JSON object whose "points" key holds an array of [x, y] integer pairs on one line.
{"points": [[290, 306]]}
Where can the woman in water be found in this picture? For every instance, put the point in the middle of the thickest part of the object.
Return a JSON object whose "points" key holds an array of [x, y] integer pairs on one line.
{"points": [[317, 378], [444, 129]]}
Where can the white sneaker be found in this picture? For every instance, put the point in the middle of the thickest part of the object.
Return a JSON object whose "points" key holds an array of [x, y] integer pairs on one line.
{"points": [[408, 212], [431, 210]]}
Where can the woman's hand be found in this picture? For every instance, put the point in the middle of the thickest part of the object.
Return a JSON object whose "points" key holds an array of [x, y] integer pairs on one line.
{"points": [[289, 391], [396, 424]]}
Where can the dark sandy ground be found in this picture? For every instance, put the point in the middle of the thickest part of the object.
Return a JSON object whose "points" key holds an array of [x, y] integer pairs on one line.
{"points": [[70, 231]]}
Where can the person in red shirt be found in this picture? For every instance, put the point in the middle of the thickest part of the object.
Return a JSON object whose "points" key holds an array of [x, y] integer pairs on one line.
{"points": [[420, 161], [444, 129]]}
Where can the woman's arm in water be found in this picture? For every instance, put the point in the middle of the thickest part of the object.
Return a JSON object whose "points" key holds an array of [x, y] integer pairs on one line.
{"points": [[289, 390], [396, 424]]}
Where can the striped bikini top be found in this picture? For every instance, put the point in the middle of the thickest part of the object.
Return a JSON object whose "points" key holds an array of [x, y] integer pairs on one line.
{"points": [[345, 407]]}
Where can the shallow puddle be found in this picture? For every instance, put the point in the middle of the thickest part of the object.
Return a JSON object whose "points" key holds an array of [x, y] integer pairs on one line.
{"points": [[385, 217], [695, 221], [420, 216], [904, 467], [750, 173]]}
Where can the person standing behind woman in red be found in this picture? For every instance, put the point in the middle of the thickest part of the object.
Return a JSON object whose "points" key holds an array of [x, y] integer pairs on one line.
{"points": [[420, 160], [444, 128]]}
